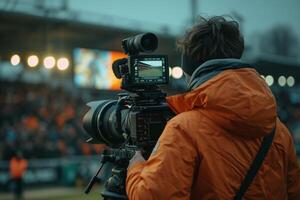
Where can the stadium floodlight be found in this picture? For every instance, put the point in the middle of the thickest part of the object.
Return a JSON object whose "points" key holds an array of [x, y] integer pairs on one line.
{"points": [[49, 62], [290, 81], [32, 61], [15, 60], [177, 72], [281, 81], [63, 63], [269, 80]]}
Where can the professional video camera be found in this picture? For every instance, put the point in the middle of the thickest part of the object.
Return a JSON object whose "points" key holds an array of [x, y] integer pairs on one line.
{"points": [[134, 121]]}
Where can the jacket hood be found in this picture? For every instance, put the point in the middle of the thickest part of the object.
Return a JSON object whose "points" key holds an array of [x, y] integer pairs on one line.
{"points": [[231, 93]]}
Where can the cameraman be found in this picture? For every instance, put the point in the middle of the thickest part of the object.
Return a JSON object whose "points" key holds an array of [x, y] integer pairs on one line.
{"points": [[206, 151]]}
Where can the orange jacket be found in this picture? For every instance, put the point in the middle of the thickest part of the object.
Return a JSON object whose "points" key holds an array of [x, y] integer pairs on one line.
{"points": [[207, 148], [17, 167]]}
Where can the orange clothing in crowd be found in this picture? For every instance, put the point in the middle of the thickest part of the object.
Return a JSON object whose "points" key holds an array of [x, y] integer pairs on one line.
{"points": [[32, 122], [17, 167], [62, 147], [86, 149], [65, 115], [206, 150], [99, 148]]}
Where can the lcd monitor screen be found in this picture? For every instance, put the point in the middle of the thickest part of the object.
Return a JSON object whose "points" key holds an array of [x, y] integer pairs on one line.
{"points": [[150, 69]]}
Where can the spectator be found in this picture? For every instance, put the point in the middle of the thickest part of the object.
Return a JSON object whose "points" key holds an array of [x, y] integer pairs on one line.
{"points": [[17, 168]]}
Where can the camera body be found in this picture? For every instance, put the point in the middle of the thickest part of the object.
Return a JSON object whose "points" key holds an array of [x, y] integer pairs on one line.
{"points": [[146, 119], [147, 124], [136, 120]]}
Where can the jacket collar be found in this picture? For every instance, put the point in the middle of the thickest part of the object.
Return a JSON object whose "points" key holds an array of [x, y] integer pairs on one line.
{"points": [[213, 67]]}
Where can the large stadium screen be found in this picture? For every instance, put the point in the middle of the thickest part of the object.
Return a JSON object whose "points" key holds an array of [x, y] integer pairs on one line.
{"points": [[93, 69]]}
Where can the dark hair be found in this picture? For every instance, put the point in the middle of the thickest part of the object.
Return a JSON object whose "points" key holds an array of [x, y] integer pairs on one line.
{"points": [[212, 38]]}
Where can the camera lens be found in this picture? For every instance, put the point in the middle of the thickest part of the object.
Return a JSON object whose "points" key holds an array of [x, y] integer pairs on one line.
{"points": [[100, 123], [146, 42], [149, 42]]}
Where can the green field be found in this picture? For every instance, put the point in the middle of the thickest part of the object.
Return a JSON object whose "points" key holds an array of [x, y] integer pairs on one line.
{"points": [[60, 193], [91, 196], [151, 72]]}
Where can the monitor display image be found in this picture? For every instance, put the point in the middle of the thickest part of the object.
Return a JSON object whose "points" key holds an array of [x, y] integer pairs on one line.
{"points": [[93, 69], [150, 68]]}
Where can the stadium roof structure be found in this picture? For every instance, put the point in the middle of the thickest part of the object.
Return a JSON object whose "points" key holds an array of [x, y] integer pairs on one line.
{"points": [[22, 33]]}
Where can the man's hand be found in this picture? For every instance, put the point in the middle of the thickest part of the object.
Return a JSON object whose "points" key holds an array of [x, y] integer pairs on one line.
{"points": [[137, 158]]}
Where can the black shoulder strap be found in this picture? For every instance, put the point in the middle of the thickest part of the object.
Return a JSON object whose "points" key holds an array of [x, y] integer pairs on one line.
{"points": [[256, 164]]}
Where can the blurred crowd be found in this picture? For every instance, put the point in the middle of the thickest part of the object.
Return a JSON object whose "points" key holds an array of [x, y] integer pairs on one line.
{"points": [[42, 122], [45, 122], [288, 104]]}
